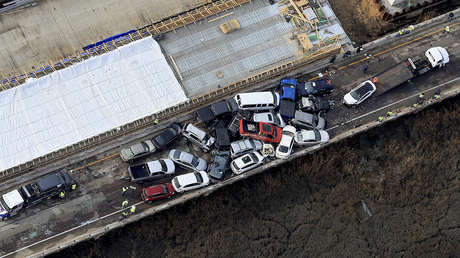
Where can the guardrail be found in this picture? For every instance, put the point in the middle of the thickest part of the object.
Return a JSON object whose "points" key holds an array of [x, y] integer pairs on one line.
{"points": [[165, 114], [154, 29]]}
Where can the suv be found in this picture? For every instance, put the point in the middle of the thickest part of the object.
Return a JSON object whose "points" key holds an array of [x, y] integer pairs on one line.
{"points": [[198, 136], [47, 187]]}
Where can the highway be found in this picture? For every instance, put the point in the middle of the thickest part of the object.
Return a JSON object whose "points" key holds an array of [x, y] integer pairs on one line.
{"points": [[97, 202]]}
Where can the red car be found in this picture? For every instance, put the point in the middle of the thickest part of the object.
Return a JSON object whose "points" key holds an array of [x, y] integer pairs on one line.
{"points": [[157, 192], [261, 131]]}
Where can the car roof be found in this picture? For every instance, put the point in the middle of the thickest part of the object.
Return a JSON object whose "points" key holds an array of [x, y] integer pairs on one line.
{"points": [[49, 182], [155, 165], [364, 88], [307, 134], [303, 116], [288, 92], [13, 198], [240, 162], [187, 179], [137, 148], [257, 98]]}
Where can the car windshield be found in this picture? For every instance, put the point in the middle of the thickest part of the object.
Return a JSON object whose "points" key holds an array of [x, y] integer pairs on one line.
{"points": [[3, 204], [199, 178], [266, 128], [176, 182], [235, 165], [160, 140], [287, 133], [317, 135], [145, 146], [163, 165], [247, 159], [165, 189], [195, 161], [283, 149]]}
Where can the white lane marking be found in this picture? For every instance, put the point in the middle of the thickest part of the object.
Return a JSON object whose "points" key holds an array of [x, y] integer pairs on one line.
{"points": [[391, 104], [69, 230], [113, 213]]}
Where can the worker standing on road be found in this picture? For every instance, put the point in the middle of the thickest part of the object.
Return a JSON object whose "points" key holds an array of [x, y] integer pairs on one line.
{"points": [[381, 118], [415, 105], [401, 32], [421, 98], [124, 204], [389, 113], [446, 29], [125, 214], [365, 68], [62, 195], [74, 186], [123, 190], [133, 209], [411, 28], [450, 17], [156, 121]]}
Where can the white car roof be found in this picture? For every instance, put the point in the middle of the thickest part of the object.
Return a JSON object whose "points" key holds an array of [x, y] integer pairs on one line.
{"points": [[13, 198], [307, 135], [187, 179], [286, 139], [257, 97], [155, 166], [240, 161]]}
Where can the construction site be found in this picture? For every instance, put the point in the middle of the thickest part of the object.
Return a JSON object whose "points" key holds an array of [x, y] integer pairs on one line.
{"points": [[76, 112]]}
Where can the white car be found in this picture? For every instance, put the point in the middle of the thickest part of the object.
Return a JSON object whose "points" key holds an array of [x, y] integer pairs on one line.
{"points": [[190, 181], [269, 117], [284, 149], [311, 137], [359, 94], [246, 162]]}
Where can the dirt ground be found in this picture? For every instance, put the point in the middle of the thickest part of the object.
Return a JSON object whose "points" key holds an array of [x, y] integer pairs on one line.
{"points": [[362, 20], [407, 172]]}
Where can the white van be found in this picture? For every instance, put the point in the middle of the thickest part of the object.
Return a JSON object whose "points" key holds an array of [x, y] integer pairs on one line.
{"points": [[266, 100]]}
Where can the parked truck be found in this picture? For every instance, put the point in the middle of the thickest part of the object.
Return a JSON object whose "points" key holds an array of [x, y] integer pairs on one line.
{"points": [[412, 67], [56, 184]]}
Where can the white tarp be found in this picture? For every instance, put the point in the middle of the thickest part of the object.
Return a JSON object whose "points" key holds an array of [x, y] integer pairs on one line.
{"points": [[84, 100]]}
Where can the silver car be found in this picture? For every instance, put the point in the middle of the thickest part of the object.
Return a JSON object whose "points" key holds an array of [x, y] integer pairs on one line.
{"points": [[311, 137], [244, 146], [188, 160], [311, 121], [137, 150]]}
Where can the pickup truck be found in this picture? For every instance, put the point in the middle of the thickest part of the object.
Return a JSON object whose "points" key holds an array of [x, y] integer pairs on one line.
{"points": [[287, 98], [151, 170]]}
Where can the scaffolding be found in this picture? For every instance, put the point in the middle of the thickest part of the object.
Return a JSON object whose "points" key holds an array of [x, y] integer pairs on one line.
{"points": [[156, 30]]}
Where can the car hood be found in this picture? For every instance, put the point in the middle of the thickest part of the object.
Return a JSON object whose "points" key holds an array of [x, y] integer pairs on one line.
{"points": [[324, 136], [349, 100], [126, 154]]}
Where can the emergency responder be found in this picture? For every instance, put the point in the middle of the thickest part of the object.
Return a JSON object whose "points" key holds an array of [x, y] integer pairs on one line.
{"points": [[411, 28], [124, 204], [389, 113], [401, 32], [132, 187], [123, 190], [446, 29], [381, 118], [415, 105], [156, 121], [125, 214], [62, 195], [133, 209], [421, 98], [437, 96]]}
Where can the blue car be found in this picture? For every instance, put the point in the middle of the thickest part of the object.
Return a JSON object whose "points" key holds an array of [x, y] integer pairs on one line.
{"points": [[288, 98]]}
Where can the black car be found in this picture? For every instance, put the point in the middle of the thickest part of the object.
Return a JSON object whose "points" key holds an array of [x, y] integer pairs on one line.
{"points": [[222, 137], [317, 88], [314, 104], [168, 135], [47, 187], [224, 107], [220, 164]]}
